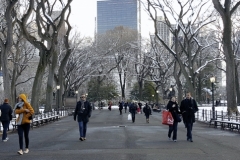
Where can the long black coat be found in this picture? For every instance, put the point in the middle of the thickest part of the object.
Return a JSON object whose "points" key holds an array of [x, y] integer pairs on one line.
{"points": [[133, 108], [174, 110], [6, 111], [147, 110], [188, 109], [83, 113]]}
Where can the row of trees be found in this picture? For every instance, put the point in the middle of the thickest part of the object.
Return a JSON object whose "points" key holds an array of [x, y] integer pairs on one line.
{"points": [[198, 45]]}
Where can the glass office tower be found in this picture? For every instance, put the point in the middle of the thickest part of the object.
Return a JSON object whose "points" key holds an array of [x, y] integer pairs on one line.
{"points": [[114, 13]]}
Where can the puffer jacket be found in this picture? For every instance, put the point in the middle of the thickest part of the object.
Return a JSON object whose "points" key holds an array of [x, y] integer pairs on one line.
{"points": [[26, 115]]}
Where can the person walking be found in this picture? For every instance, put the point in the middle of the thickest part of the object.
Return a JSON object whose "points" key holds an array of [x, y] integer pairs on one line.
{"points": [[140, 107], [120, 105], [5, 118], [147, 111], [24, 112], [132, 110], [83, 111], [125, 106], [188, 109], [173, 107], [109, 105]]}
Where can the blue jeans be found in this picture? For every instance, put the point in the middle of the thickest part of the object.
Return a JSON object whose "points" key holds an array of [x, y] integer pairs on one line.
{"points": [[23, 128], [189, 126], [82, 128], [5, 125], [173, 128]]}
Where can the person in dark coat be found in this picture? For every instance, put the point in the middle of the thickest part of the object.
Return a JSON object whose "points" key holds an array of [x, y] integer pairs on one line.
{"points": [[120, 105], [172, 106], [188, 109], [83, 110], [147, 111], [132, 110], [125, 106], [6, 117]]}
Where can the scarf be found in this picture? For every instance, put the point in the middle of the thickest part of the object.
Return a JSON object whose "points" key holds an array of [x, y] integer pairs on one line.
{"points": [[19, 104]]}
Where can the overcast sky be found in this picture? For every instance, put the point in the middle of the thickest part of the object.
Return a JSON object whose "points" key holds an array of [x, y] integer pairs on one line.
{"points": [[83, 18]]}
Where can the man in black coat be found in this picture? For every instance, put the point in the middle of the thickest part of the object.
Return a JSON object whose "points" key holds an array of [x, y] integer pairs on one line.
{"points": [[132, 110], [188, 109], [83, 110], [6, 117]]}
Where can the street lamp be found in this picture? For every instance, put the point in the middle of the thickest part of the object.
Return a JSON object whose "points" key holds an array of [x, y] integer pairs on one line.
{"points": [[170, 94], [212, 80], [76, 95], [157, 97], [58, 88]]}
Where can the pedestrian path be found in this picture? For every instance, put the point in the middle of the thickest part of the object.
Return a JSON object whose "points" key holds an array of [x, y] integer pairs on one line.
{"points": [[111, 136]]}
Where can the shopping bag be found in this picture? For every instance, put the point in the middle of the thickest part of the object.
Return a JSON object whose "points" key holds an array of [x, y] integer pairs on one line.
{"points": [[167, 118], [129, 117]]}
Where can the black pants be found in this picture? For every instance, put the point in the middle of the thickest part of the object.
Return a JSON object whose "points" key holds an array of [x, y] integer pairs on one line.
{"points": [[133, 117], [23, 129], [173, 128]]}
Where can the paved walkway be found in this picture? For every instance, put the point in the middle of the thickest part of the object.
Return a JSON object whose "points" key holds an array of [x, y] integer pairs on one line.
{"points": [[111, 137]]}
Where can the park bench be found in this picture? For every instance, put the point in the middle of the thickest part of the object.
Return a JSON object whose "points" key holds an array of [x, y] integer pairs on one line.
{"points": [[226, 122]]}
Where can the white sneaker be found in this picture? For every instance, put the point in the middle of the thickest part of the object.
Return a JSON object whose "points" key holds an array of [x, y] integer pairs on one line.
{"points": [[26, 151], [5, 140], [20, 152]]}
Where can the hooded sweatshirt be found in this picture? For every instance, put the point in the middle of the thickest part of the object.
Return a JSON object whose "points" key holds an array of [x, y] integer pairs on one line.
{"points": [[20, 109]]}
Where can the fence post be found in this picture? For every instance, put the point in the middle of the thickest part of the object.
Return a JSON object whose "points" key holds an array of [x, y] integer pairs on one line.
{"points": [[222, 115], [203, 114], [236, 116]]}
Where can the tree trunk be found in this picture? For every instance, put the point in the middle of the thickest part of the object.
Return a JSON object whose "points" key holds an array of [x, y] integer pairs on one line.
{"points": [[37, 84], [49, 92], [237, 85]]}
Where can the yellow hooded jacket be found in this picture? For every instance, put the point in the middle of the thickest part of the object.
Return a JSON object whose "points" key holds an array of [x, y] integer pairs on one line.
{"points": [[26, 105]]}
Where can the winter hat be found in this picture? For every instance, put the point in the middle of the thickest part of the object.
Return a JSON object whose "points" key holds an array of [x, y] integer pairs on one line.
{"points": [[6, 100]]}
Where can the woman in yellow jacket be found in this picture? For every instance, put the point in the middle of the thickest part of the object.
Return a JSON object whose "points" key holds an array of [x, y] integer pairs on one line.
{"points": [[24, 111]]}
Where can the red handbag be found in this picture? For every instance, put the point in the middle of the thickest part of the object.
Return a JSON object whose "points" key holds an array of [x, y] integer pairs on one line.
{"points": [[167, 118]]}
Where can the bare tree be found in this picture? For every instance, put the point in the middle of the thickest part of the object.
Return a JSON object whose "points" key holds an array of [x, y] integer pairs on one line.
{"points": [[226, 11], [8, 19], [186, 32], [45, 40]]}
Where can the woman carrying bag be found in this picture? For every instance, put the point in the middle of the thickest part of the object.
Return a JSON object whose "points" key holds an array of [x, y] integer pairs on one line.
{"points": [[173, 107], [24, 111]]}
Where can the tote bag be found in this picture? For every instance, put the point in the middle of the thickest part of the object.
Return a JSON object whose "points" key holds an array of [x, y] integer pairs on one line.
{"points": [[167, 118], [129, 117]]}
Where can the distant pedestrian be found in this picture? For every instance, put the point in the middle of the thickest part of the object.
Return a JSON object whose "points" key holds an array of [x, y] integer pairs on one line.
{"points": [[188, 109], [5, 118], [24, 111], [140, 107], [147, 111], [125, 106], [172, 106], [120, 105], [132, 110], [82, 112], [109, 105]]}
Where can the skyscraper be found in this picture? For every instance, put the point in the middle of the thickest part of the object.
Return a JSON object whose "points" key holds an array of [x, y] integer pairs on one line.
{"points": [[114, 13]]}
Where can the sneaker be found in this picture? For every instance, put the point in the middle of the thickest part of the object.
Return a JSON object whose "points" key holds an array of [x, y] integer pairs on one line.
{"points": [[20, 152], [5, 140], [26, 151], [191, 140], [175, 140], [84, 138], [169, 139], [81, 139]]}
